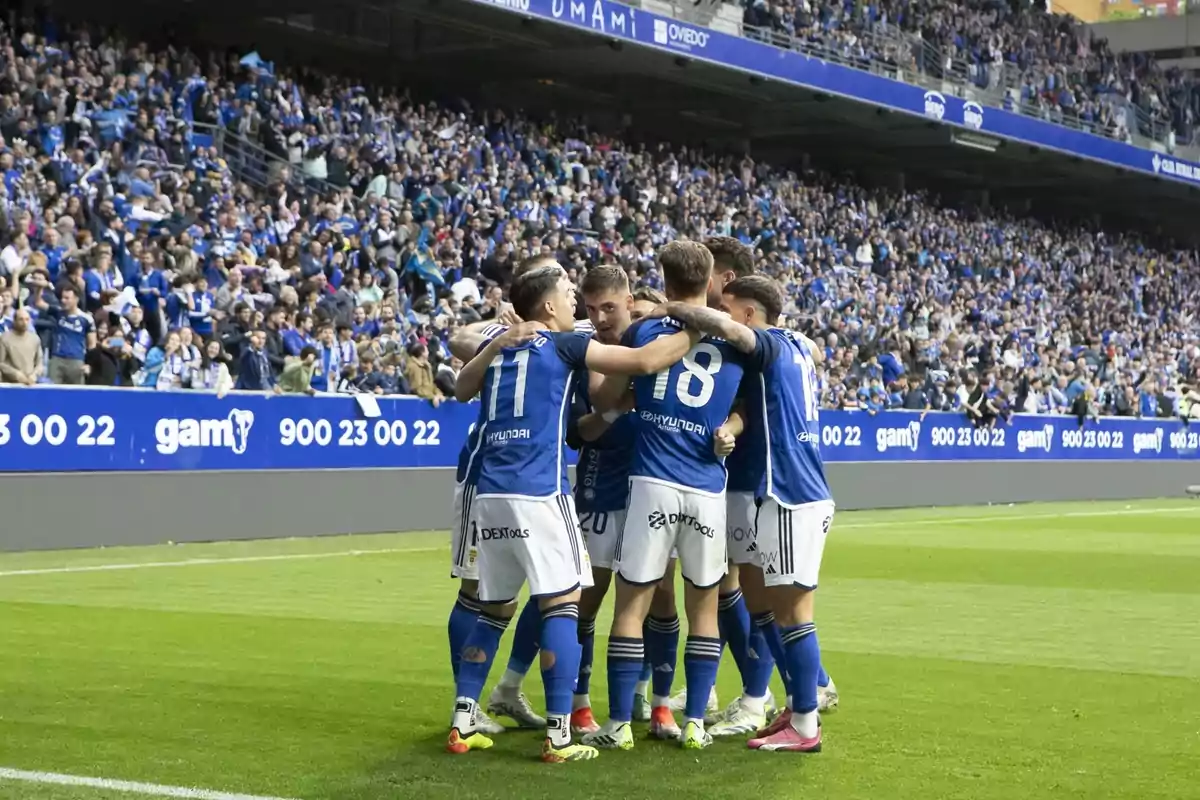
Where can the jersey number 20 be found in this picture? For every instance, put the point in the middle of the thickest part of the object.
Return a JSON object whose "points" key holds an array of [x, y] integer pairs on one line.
{"points": [[694, 386]]}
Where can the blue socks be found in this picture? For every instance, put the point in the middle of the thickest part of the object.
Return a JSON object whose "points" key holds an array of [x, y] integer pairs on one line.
{"points": [[803, 663], [822, 677], [760, 663], [587, 650], [733, 621], [477, 655], [560, 667], [462, 621], [525, 638], [625, 656], [701, 657], [770, 632], [662, 650]]}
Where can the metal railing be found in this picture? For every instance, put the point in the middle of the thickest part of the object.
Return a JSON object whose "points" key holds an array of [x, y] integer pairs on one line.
{"points": [[252, 164]]}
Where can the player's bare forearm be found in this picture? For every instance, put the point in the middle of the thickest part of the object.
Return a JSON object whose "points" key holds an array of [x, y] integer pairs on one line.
{"points": [[467, 340], [592, 426], [713, 323], [736, 422], [613, 394], [470, 378], [646, 360]]}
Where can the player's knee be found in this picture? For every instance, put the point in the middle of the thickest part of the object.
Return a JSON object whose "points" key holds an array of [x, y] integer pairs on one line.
{"points": [[469, 588], [731, 582], [793, 605]]}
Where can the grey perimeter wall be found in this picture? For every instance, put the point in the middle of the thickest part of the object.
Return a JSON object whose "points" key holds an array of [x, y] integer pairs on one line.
{"points": [[65, 510]]}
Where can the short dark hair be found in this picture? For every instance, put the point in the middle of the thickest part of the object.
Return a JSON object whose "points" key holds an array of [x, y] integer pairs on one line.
{"points": [[529, 291], [605, 279], [306, 351], [730, 255], [687, 267], [649, 294], [761, 290], [532, 263]]}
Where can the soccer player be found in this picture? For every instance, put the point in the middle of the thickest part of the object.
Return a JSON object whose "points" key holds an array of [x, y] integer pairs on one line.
{"points": [[506, 699], [795, 507], [676, 501], [523, 515]]}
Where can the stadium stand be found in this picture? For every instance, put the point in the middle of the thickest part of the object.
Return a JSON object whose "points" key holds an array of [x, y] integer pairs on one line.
{"points": [[1041, 63], [227, 223]]}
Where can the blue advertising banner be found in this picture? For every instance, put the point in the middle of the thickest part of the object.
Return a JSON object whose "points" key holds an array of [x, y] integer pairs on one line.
{"points": [[615, 20], [74, 430], [98, 430]]}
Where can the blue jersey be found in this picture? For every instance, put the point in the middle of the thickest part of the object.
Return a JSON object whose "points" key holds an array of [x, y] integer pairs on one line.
{"points": [[785, 406], [468, 463], [602, 475], [678, 410], [526, 400], [70, 335], [747, 463]]}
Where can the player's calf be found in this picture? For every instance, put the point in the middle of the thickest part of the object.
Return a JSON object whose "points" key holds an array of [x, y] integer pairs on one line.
{"points": [[560, 654], [476, 660]]}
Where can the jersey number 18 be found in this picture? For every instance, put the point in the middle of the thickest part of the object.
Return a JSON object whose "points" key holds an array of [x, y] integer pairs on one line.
{"points": [[693, 377]]}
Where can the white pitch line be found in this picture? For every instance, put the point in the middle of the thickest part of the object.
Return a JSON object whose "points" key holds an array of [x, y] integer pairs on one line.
{"points": [[152, 789], [198, 562], [916, 522]]}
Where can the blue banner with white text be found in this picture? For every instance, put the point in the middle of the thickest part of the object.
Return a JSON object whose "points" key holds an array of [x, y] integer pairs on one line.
{"points": [[618, 21], [99, 430]]}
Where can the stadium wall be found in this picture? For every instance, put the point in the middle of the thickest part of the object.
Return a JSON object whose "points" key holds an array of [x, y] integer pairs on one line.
{"points": [[72, 510]]}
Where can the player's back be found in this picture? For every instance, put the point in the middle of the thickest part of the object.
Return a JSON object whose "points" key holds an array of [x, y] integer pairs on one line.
{"points": [[786, 407], [678, 410], [525, 400]]}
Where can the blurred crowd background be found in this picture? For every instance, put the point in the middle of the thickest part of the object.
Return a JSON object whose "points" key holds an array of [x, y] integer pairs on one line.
{"points": [[131, 256]]}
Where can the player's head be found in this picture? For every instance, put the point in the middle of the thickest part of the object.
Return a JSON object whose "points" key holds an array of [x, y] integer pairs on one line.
{"points": [[687, 269], [545, 294], [731, 260], [755, 301], [608, 302], [645, 300], [535, 262]]}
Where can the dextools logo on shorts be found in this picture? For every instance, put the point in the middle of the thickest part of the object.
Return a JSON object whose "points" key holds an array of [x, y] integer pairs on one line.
{"points": [[503, 533], [659, 519]]}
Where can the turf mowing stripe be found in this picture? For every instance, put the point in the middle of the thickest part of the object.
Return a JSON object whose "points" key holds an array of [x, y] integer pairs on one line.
{"points": [[197, 562], [908, 521], [152, 789]]}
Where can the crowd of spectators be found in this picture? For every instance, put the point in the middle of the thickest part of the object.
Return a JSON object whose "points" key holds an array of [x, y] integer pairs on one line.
{"points": [[132, 256], [1050, 59]]}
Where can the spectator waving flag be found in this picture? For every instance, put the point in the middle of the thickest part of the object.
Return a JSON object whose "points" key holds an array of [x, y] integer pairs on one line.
{"points": [[423, 264]]}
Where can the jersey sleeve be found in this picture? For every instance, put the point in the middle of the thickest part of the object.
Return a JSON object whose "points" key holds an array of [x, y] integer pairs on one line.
{"points": [[765, 351], [572, 348], [489, 333], [630, 337]]}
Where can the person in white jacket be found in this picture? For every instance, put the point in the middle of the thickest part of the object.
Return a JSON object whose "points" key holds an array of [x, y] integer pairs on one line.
{"points": [[213, 375]]}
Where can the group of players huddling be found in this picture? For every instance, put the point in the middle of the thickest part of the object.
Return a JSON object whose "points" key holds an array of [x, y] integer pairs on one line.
{"points": [[696, 422]]}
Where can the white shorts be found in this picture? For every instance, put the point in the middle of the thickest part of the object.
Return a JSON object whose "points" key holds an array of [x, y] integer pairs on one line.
{"points": [[740, 511], [663, 518], [464, 552], [600, 530], [530, 540], [791, 541]]}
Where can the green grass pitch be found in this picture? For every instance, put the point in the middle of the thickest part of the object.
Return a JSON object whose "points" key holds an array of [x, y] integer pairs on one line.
{"points": [[1041, 651]]}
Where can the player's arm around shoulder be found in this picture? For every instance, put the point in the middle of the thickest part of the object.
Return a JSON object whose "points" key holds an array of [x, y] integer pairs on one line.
{"points": [[466, 341], [711, 322], [471, 378], [645, 360], [817, 354]]}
